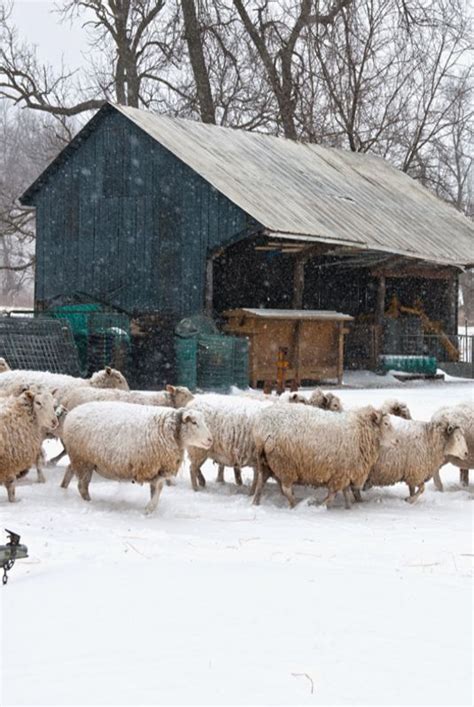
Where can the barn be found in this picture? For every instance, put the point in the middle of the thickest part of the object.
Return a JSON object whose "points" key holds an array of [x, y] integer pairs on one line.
{"points": [[161, 218]]}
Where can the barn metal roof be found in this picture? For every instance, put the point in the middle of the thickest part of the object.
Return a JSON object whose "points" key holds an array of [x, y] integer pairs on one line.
{"points": [[332, 195], [308, 192]]}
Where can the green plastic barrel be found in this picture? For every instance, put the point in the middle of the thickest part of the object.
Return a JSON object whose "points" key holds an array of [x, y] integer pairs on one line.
{"points": [[186, 362], [215, 362], [409, 364], [240, 362]]}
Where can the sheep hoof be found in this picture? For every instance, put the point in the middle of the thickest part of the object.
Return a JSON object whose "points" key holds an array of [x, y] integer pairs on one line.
{"points": [[41, 479], [411, 499]]}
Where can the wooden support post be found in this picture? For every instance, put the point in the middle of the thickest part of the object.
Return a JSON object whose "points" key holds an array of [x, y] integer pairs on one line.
{"points": [[209, 293], [380, 306], [298, 282]]}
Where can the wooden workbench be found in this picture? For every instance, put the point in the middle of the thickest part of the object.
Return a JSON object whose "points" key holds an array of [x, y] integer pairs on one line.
{"points": [[313, 340]]}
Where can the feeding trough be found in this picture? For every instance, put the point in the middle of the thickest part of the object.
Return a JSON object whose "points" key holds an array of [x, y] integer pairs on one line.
{"points": [[11, 552]]}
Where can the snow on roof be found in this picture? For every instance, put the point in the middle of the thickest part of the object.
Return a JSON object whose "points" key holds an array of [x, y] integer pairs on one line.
{"points": [[321, 314]]}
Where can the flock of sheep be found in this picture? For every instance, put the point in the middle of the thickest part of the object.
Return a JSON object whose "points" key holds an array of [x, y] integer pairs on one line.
{"points": [[142, 437]]}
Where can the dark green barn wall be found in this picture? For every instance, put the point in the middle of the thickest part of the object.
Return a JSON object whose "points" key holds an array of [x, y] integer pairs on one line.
{"points": [[124, 221]]}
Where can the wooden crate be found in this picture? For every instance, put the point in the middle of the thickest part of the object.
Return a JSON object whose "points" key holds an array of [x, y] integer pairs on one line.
{"points": [[314, 340]]}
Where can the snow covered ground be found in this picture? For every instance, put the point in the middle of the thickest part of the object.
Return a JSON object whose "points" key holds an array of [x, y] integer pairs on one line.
{"points": [[213, 601]]}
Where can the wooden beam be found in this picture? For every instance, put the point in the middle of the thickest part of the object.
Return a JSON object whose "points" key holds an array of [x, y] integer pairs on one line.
{"points": [[380, 305], [298, 282], [209, 293]]}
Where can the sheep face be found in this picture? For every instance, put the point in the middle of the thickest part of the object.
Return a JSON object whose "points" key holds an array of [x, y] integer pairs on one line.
{"points": [[333, 402], [397, 408], [194, 431], [381, 420], [42, 404], [292, 398], [180, 394], [325, 401], [454, 442], [109, 378], [4, 365]]}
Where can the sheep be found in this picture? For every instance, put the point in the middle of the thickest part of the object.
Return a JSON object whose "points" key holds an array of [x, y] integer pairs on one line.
{"points": [[22, 423], [229, 419], [4, 365], [131, 442], [461, 415], [15, 390], [286, 397], [172, 396], [106, 378], [397, 408], [325, 401], [421, 450], [300, 444]]}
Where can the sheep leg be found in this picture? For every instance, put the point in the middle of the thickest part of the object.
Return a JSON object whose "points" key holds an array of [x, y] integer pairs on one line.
{"points": [[464, 477], [347, 497], [83, 485], [253, 486], [57, 458], [156, 487], [413, 496], [220, 474], [356, 493], [262, 473], [10, 486], [437, 481], [329, 499], [238, 476], [68, 474], [39, 470], [288, 492], [196, 474]]}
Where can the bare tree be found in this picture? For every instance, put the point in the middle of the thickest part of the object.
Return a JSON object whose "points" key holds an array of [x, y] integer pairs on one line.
{"points": [[275, 34], [27, 143], [129, 52]]}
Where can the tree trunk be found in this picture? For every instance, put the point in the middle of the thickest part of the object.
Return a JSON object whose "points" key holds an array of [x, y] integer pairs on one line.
{"points": [[198, 62]]}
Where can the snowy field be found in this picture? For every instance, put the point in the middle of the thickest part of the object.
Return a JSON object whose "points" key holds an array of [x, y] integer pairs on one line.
{"points": [[212, 601]]}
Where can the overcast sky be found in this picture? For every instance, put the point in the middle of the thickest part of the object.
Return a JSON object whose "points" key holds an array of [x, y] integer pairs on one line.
{"points": [[39, 25]]}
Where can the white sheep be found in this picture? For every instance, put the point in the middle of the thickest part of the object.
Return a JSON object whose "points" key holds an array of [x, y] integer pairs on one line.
{"points": [[421, 450], [325, 401], [305, 445], [124, 441], [461, 415], [172, 396], [4, 365], [61, 383], [23, 420], [230, 420]]}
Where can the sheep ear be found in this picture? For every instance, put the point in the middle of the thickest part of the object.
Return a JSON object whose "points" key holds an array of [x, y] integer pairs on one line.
{"points": [[450, 429], [54, 391], [171, 389], [396, 409], [186, 416], [30, 396], [376, 417], [108, 370]]}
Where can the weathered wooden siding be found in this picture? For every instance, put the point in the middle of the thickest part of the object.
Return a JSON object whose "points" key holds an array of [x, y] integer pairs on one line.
{"points": [[124, 221]]}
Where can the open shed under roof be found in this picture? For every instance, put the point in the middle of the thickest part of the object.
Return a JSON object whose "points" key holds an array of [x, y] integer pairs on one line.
{"points": [[305, 192]]}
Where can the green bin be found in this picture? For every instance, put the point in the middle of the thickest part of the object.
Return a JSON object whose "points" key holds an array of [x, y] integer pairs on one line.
{"points": [[427, 365], [186, 362]]}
